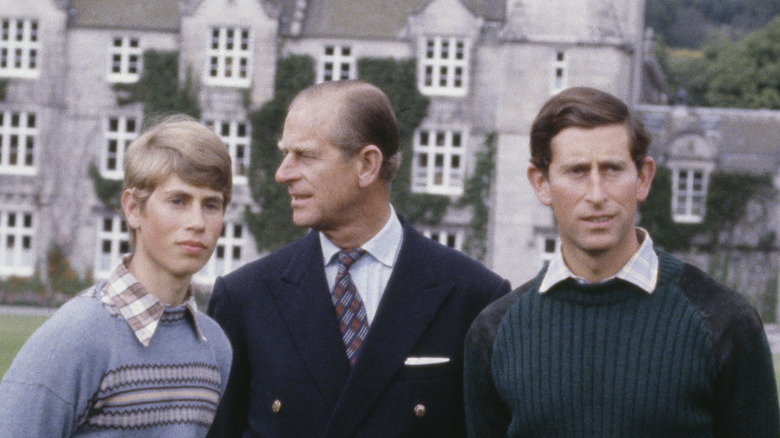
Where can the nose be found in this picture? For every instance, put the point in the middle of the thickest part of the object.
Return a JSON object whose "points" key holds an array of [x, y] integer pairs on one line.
{"points": [[285, 172], [196, 219], [596, 193]]}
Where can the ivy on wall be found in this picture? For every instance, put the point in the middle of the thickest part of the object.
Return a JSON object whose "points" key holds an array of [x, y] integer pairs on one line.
{"points": [[726, 205], [107, 191], [160, 92], [271, 226], [729, 197], [3, 89], [158, 88], [475, 194], [398, 80]]}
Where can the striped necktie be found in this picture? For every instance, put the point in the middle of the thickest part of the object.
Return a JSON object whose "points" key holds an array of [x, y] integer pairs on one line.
{"points": [[350, 310]]}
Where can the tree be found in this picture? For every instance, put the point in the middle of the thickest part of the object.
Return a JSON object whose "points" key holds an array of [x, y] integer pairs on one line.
{"points": [[736, 74]]}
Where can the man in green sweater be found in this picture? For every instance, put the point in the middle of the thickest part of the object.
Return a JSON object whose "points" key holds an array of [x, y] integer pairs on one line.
{"points": [[613, 338]]}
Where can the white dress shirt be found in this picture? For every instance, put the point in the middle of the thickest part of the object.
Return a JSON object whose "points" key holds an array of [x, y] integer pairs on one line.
{"points": [[371, 272]]}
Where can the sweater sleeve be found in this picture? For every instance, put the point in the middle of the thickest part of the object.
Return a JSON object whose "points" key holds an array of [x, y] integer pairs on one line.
{"points": [[746, 393], [746, 401], [486, 413], [53, 377], [232, 413]]}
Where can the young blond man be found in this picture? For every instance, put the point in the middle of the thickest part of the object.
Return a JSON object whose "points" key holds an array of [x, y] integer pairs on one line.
{"points": [[132, 356]]}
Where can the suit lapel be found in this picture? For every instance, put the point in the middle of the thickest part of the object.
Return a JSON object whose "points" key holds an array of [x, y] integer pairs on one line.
{"points": [[304, 302], [411, 300]]}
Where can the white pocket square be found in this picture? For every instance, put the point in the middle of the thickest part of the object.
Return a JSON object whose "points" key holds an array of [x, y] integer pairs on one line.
{"points": [[414, 361]]}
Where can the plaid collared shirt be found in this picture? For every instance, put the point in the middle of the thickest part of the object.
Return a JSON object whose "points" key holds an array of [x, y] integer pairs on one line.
{"points": [[641, 270], [122, 294]]}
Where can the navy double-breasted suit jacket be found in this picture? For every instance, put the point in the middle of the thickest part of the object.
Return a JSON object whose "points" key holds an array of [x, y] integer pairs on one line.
{"points": [[290, 375]]}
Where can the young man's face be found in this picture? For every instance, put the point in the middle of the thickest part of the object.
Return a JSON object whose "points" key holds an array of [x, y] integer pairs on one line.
{"points": [[322, 182], [593, 187], [178, 227]]}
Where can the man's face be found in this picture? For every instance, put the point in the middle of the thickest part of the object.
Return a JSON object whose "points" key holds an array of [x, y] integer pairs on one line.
{"points": [[177, 228], [322, 182], [593, 187]]}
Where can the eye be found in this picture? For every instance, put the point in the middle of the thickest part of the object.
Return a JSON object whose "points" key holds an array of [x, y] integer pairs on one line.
{"points": [[214, 206], [613, 169]]}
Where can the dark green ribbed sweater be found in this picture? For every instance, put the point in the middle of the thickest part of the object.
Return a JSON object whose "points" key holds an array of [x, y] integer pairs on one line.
{"points": [[609, 360]]}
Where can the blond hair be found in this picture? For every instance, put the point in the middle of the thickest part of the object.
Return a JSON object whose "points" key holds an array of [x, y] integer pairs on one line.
{"points": [[182, 146]]}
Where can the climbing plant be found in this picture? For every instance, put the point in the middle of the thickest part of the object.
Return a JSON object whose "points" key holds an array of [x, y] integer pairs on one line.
{"points": [[727, 201], [272, 226], [476, 192], [159, 88], [398, 81], [160, 92], [3, 89]]}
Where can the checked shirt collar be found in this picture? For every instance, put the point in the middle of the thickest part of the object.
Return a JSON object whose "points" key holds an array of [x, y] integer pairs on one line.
{"points": [[641, 270], [142, 311]]}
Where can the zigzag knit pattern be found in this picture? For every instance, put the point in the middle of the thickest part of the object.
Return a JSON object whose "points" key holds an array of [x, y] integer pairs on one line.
{"points": [[150, 395]]}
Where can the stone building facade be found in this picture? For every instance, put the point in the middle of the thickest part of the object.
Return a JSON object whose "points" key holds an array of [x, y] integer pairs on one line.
{"points": [[486, 66]]}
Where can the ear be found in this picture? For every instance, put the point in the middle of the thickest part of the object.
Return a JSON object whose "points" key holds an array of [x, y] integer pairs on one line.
{"points": [[646, 174], [369, 164], [540, 183], [132, 209]]}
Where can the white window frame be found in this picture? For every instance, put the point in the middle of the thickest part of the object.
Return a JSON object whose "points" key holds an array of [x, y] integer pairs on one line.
{"points": [[112, 162], [229, 254], [689, 203], [20, 47], [113, 241], [238, 144], [17, 232], [560, 72], [124, 59], [448, 237], [436, 154], [18, 142], [444, 66], [336, 63], [229, 56]]}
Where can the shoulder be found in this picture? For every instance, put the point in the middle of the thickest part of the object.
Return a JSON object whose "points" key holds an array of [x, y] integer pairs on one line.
{"points": [[269, 265], [77, 322], [213, 332], [70, 349], [729, 317], [219, 341], [483, 331], [449, 262]]}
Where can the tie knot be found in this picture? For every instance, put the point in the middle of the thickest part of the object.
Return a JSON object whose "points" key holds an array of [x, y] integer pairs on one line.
{"points": [[349, 256]]}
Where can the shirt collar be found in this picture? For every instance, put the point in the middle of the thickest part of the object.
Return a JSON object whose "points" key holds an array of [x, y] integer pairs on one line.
{"points": [[383, 247], [641, 270], [137, 306]]}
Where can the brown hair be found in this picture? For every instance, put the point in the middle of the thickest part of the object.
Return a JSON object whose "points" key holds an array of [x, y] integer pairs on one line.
{"points": [[364, 116], [177, 145], [583, 107]]}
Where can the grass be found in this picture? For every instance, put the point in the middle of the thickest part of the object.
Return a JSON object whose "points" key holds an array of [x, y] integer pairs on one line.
{"points": [[14, 330]]}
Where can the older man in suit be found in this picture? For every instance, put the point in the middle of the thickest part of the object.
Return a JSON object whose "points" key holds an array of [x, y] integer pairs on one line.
{"points": [[357, 329]]}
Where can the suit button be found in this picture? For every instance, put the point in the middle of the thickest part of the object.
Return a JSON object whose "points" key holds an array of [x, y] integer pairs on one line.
{"points": [[419, 410], [276, 406]]}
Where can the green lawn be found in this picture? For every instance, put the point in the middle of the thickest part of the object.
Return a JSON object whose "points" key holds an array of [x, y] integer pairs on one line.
{"points": [[14, 330]]}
